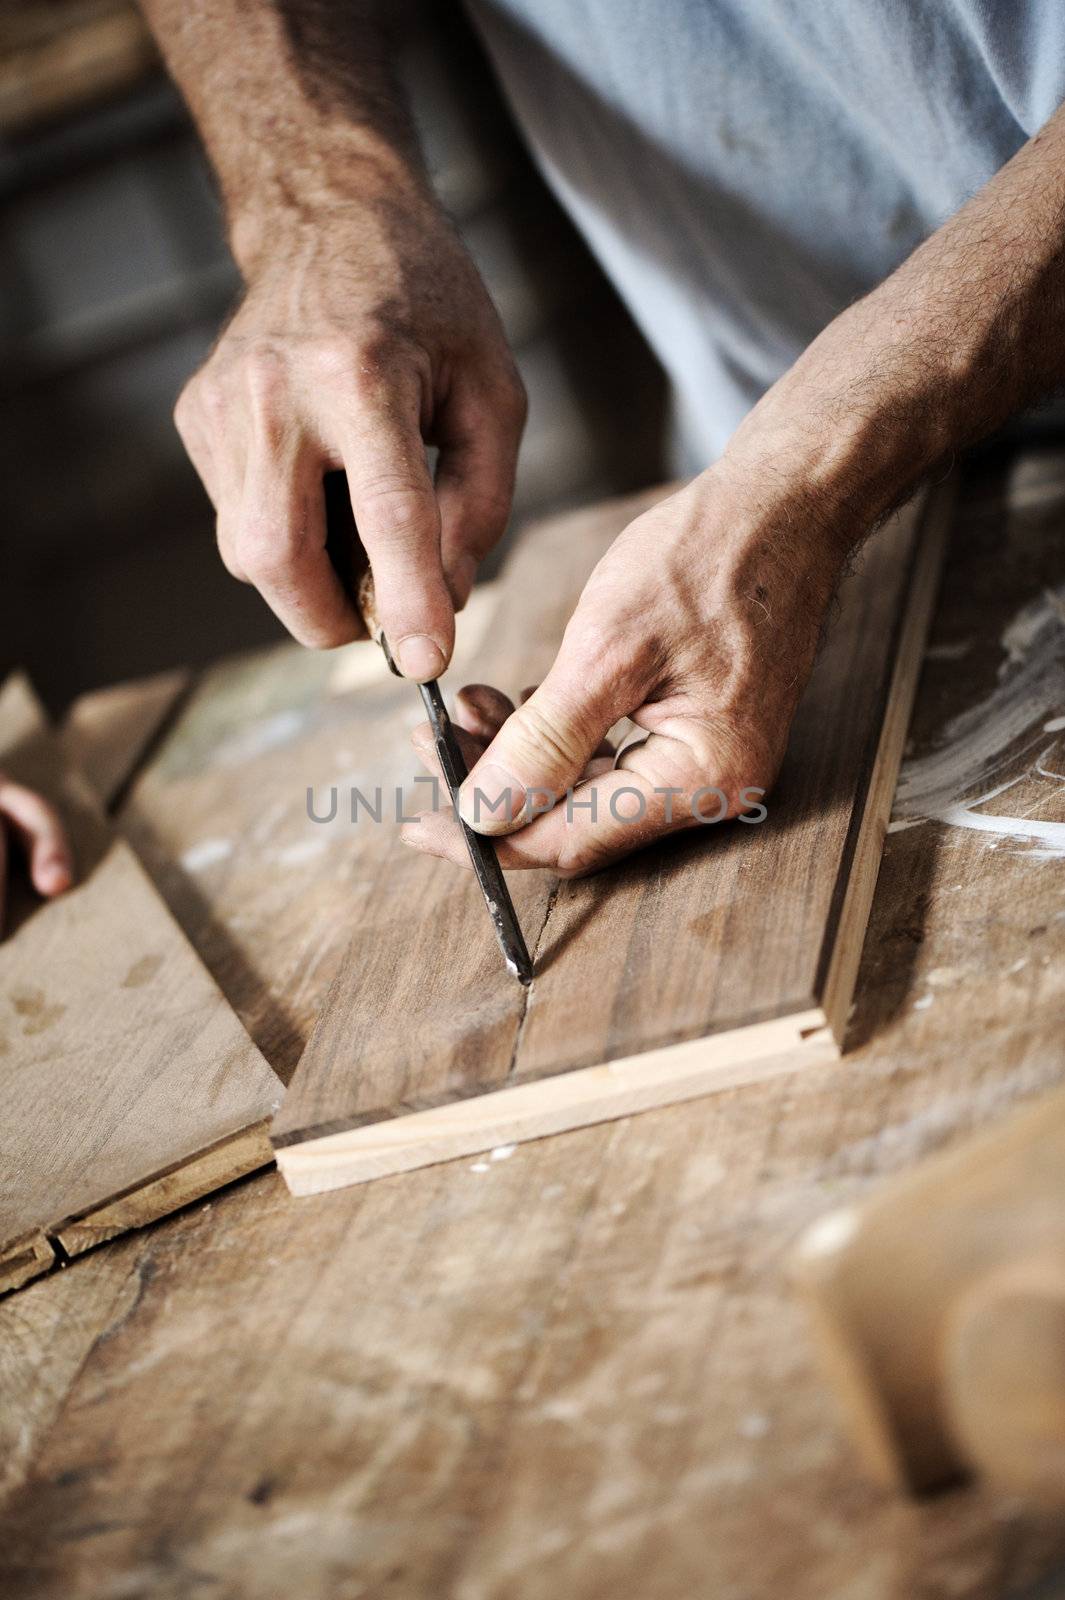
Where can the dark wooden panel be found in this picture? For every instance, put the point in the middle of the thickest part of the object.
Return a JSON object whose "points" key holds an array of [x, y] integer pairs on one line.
{"points": [[725, 938]]}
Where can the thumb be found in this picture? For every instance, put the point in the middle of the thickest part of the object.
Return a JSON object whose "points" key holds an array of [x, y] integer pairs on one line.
{"points": [[540, 751]]}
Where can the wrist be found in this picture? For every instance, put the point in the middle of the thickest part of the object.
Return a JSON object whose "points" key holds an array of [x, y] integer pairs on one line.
{"points": [[846, 434], [270, 217]]}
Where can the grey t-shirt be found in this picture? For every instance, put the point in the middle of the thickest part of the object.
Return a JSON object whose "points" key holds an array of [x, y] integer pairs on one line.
{"points": [[744, 169]]}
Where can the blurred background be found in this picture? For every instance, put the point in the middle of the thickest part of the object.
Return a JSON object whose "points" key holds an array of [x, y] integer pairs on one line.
{"points": [[115, 277]]}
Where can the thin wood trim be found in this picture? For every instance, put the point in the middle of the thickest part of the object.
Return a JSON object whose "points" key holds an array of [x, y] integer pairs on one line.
{"points": [[23, 1259], [556, 1104], [179, 1185], [845, 937]]}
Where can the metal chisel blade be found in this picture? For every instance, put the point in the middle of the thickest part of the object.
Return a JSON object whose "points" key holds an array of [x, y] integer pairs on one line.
{"points": [[482, 851]]}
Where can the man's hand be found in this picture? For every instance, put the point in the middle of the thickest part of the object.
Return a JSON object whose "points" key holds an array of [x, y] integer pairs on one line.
{"points": [[37, 828], [365, 333], [701, 623], [359, 341]]}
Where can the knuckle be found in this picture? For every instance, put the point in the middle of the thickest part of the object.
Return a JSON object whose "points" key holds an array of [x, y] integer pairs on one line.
{"points": [[385, 355], [231, 562], [731, 760], [380, 354], [264, 374], [205, 393], [330, 359], [324, 635], [554, 739], [610, 659], [397, 512], [267, 548], [227, 551], [183, 411]]}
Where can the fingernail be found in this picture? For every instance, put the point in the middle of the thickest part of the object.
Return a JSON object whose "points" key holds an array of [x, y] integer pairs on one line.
{"points": [[420, 657], [491, 800]]}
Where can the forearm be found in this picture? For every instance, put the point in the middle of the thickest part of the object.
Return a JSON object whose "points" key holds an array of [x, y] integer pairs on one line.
{"points": [[969, 330], [298, 105], [364, 333]]}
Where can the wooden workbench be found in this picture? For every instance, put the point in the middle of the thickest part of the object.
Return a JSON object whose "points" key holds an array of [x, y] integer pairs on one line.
{"points": [[576, 1369]]}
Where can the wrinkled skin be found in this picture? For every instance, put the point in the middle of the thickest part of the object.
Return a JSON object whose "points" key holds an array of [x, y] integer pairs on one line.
{"points": [[365, 334], [362, 343]]}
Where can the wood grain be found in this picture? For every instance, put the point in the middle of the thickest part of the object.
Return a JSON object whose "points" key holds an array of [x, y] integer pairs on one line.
{"points": [[121, 1060], [576, 1371], [50, 1328], [694, 966], [107, 732]]}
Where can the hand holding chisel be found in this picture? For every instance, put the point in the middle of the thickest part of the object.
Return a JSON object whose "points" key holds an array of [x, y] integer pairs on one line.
{"points": [[448, 752]]}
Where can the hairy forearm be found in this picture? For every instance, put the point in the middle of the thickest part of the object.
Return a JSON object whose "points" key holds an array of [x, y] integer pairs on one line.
{"points": [[969, 330], [297, 103]]}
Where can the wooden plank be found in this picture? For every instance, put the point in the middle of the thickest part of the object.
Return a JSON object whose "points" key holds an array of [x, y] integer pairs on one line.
{"points": [[121, 1060], [46, 1332], [220, 820], [695, 966], [578, 1370], [107, 733]]}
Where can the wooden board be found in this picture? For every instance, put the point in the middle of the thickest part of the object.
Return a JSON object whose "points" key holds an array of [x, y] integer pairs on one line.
{"points": [[719, 957], [122, 1067], [577, 1371], [107, 733]]}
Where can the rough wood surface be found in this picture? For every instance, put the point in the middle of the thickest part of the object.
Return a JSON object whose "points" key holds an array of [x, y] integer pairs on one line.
{"points": [[51, 1327], [106, 733], [187, 1180], [698, 965], [121, 1060], [577, 1370]]}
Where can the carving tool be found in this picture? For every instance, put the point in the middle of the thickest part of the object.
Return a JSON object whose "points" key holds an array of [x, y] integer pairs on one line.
{"points": [[344, 548], [482, 851]]}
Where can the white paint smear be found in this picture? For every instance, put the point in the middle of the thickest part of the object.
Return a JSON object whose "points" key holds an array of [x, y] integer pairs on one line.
{"points": [[206, 853], [293, 855], [258, 737], [993, 746]]}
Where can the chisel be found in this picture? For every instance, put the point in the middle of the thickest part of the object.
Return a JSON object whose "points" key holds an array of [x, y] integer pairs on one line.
{"points": [[343, 546], [482, 851]]}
